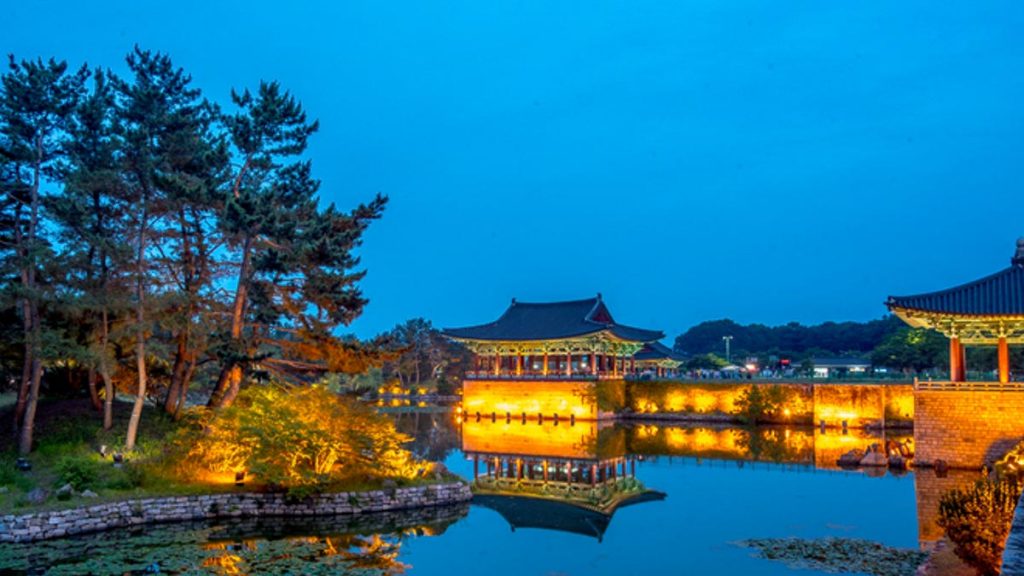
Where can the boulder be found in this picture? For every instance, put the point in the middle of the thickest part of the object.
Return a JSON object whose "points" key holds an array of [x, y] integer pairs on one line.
{"points": [[38, 496], [851, 458], [66, 491], [89, 494], [4, 489], [898, 462]]}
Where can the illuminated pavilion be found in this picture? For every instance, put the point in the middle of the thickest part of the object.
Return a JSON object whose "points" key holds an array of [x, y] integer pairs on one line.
{"points": [[986, 312], [657, 360], [552, 359], [577, 338]]}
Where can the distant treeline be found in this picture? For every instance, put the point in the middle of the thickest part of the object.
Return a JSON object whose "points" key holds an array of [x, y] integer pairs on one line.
{"points": [[793, 339]]}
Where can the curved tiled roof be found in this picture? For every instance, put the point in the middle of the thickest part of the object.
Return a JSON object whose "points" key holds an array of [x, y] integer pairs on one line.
{"points": [[553, 321], [1001, 294], [656, 351]]}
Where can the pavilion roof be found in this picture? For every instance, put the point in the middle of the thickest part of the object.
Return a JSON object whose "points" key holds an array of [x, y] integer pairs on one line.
{"points": [[560, 515], [656, 351], [553, 321], [1000, 294]]}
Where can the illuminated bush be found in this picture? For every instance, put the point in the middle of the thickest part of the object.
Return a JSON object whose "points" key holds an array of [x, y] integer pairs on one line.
{"points": [[295, 437], [977, 520]]}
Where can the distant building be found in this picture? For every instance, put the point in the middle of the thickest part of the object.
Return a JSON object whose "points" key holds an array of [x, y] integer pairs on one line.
{"points": [[838, 367], [655, 360]]}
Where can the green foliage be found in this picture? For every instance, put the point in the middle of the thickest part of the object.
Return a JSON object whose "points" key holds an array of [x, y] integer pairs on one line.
{"points": [[791, 339], [707, 361], [977, 520], [295, 438], [915, 349], [80, 472], [760, 403]]}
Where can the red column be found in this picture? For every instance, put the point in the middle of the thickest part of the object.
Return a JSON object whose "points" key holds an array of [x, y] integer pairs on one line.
{"points": [[593, 363], [519, 364], [497, 364], [632, 365], [1004, 360], [568, 364], [956, 368]]}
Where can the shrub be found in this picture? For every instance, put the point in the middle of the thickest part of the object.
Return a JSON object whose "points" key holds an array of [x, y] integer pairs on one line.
{"points": [[296, 437], [80, 472], [977, 520], [757, 403]]}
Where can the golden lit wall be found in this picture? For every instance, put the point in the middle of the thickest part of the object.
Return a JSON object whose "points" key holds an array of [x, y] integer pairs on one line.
{"points": [[531, 439], [858, 404], [532, 397], [718, 399], [966, 429], [863, 404]]}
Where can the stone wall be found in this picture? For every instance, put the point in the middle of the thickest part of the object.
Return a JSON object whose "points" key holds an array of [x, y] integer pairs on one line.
{"points": [[966, 429], [59, 523], [513, 398], [864, 404], [859, 405]]}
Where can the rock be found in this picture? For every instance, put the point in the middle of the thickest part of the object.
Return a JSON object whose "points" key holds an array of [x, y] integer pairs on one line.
{"points": [[851, 458], [66, 491], [898, 462], [4, 489], [38, 496], [874, 458], [89, 494]]}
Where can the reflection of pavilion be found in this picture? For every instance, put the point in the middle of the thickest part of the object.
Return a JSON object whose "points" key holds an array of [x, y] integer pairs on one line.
{"points": [[570, 478]]}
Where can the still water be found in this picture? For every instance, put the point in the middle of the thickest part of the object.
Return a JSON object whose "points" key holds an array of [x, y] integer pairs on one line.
{"points": [[645, 498]]}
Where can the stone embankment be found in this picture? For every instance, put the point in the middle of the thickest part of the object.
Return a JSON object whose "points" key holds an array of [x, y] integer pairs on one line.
{"points": [[60, 523]]}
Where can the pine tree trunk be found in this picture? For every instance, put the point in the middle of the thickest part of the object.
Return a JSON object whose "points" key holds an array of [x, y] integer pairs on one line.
{"points": [[26, 320], [108, 385], [28, 426], [34, 340], [230, 380], [177, 375], [94, 395], [140, 334]]}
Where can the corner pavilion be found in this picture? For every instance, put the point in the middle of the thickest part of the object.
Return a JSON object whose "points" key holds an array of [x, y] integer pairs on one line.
{"points": [[551, 359], [986, 312]]}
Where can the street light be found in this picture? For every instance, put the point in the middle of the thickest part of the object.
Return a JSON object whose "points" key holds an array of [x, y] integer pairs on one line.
{"points": [[728, 341]]}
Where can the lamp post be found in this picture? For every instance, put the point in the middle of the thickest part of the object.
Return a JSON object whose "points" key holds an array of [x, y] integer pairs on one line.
{"points": [[728, 341]]}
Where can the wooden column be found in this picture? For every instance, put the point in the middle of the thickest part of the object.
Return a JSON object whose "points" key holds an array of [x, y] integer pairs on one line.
{"points": [[568, 364], [593, 363], [545, 369], [497, 364], [545, 470], [1004, 360], [519, 364], [632, 365], [956, 359], [476, 467]]}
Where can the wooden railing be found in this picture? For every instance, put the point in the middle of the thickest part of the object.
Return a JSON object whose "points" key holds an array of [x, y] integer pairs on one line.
{"points": [[945, 385]]}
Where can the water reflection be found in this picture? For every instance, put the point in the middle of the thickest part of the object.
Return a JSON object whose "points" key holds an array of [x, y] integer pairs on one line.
{"points": [[570, 477], [323, 545]]}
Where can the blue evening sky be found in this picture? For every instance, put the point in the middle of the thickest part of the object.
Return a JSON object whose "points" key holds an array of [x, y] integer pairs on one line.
{"points": [[766, 161]]}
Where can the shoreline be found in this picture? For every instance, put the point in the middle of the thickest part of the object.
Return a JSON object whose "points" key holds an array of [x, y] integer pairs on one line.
{"points": [[46, 525]]}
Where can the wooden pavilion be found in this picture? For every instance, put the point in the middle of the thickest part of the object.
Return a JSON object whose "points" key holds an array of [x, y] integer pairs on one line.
{"points": [[655, 359], [550, 360], [573, 339], [986, 312]]}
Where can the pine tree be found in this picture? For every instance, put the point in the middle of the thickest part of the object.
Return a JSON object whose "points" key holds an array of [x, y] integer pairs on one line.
{"points": [[91, 215], [35, 105]]}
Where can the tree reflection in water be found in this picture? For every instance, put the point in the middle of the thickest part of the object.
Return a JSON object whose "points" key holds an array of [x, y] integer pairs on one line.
{"points": [[367, 545]]}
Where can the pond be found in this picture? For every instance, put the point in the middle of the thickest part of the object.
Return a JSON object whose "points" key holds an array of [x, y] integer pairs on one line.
{"points": [[642, 498]]}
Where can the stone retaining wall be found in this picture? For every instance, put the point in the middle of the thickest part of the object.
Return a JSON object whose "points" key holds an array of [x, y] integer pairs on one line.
{"points": [[59, 523], [966, 429]]}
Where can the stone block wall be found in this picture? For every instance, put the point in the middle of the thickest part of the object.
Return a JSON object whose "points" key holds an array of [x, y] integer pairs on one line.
{"points": [[566, 398], [966, 429], [864, 404], [59, 523]]}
